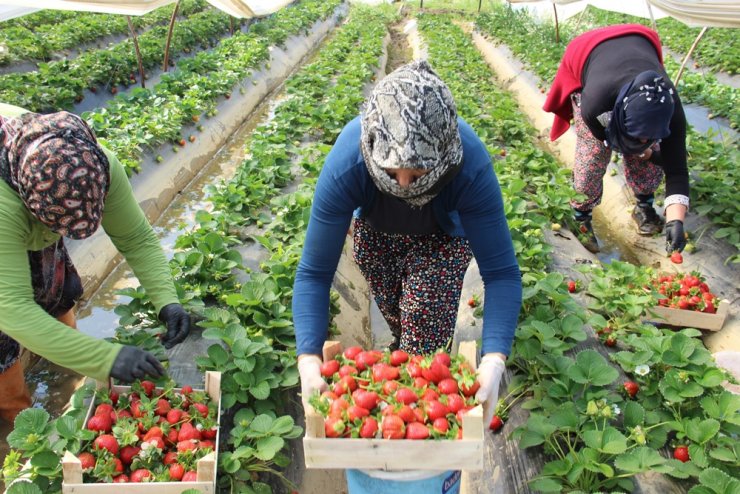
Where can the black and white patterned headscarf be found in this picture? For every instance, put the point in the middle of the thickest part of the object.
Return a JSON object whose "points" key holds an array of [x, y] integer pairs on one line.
{"points": [[410, 121], [643, 110]]}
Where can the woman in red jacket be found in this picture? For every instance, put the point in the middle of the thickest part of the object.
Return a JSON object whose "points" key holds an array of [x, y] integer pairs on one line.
{"points": [[611, 82]]}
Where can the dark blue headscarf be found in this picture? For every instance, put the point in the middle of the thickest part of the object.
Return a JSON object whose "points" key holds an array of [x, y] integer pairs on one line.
{"points": [[643, 110]]}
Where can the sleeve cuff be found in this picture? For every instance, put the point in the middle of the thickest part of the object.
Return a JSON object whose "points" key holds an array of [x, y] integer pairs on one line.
{"points": [[676, 199]]}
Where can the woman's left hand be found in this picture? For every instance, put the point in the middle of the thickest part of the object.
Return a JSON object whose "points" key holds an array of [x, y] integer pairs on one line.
{"points": [[178, 324], [490, 372]]}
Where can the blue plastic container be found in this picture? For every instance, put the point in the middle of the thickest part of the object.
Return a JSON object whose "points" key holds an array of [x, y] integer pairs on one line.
{"points": [[405, 481]]}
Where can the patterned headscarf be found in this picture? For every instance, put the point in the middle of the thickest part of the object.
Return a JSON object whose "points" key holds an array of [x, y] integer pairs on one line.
{"points": [[643, 110], [59, 171], [410, 121]]}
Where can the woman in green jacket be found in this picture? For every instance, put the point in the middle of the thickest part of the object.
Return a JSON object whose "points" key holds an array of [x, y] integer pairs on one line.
{"points": [[56, 181]]}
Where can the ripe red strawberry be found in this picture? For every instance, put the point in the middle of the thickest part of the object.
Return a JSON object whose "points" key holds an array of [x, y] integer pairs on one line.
{"points": [[100, 423], [441, 425], [162, 408], [121, 479], [148, 388], [390, 387], [363, 360], [610, 341], [334, 427], [455, 403], [631, 388], [351, 353], [416, 430], [398, 357], [190, 476], [170, 457], [128, 453], [87, 460], [407, 414], [365, 399], [393, 427], [348, 370], [354, 412], [103, 409], [329, 368], [436, 409], [681, 453], [429, 395], [676, 257], [472, 303], [106, 441], [187, 445], [209, 433], [469, 391], [447, 386], [176, 471], [174, 416], [113, 398], [187, 432], [202, 409], [369, 428], [206, 444], [572, 286], [186, 390], [442, 358], [141, 475], [496, 423], [406, 396]]}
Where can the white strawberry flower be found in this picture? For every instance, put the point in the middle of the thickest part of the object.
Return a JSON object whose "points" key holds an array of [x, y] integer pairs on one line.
{"points": [[642, 370]]}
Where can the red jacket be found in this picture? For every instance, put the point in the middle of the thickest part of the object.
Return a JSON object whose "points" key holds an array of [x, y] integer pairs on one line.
{"points": [[568, 78]]}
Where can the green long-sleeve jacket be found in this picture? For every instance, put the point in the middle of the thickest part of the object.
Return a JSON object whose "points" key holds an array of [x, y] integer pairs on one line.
{"points": [[25, 321]]}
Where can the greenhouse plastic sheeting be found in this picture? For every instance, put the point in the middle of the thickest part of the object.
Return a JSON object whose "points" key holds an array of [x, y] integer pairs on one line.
{"points": [[712, 13], [697, 13], [236, 8]]}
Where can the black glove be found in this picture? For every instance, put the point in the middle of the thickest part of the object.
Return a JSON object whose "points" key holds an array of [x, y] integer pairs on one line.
{"points": [[178, 324], [134, 363], [674, 236]]}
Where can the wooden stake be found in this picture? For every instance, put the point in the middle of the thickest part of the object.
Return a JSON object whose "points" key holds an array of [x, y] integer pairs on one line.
{"points": [[136, 47]]}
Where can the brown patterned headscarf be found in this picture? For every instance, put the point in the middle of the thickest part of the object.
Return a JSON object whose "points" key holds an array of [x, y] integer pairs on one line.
{"points": [[58, 169]]}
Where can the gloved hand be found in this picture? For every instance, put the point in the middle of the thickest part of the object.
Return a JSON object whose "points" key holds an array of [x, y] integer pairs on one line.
{"points": [[309, 368], [178, 324], [674, 236], [134, 363], [490, 372]]}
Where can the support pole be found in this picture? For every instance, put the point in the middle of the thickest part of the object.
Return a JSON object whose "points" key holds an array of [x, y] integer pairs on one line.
{"points": [[136, 47], [652, 17], [480, 2], [686, 58], [166, 63], [557, 27]]}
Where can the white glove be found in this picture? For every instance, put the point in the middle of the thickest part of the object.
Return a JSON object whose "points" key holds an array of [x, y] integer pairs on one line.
{"points": [[309, 368], [490, 372]]}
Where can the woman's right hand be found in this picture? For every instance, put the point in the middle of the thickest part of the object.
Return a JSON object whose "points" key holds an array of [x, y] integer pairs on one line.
{"points": [[134, 363], [309, 368]]}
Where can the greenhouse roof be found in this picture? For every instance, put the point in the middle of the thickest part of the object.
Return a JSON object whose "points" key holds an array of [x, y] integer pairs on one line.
{"points": [[237, 8]]}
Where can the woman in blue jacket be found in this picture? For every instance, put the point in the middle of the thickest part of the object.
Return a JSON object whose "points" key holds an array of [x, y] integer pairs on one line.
{"points": [[421, 188]]}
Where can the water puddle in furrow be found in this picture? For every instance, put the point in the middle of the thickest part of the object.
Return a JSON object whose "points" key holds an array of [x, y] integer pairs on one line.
{"points": [[52, 385]]}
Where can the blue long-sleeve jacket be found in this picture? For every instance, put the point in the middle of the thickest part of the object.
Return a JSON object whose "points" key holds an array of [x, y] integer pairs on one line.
{"points": [[470, 205]]}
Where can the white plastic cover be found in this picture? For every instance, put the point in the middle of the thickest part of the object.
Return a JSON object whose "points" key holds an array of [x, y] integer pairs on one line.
{"points": [[236, 8], [697, 13]]}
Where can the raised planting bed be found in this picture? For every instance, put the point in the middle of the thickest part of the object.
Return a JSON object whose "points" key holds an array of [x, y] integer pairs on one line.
{"points": [[464, 453], [161, 480]]}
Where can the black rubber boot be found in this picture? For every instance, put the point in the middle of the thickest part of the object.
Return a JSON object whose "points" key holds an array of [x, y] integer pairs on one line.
{"points": [[585, 231], [648, 221]]}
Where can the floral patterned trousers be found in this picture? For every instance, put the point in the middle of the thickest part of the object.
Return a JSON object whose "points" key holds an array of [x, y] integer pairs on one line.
{"points": [[592, 158], [416, 281]]}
